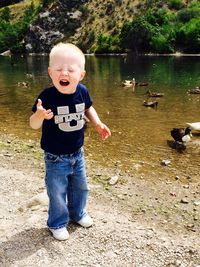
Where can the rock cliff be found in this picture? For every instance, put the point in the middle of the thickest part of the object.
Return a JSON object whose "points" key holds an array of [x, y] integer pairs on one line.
{"points": [[53, 25]]}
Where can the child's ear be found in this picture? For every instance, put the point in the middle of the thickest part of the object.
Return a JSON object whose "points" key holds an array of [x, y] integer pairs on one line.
{"points": [[82, 75], [49, 71]]}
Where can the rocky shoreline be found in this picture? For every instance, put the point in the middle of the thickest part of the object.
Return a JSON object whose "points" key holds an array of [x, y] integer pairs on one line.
{"points": [[138, 222]]}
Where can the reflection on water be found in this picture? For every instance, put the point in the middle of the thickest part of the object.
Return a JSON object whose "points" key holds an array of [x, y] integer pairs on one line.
{"points": [[138, 133]]}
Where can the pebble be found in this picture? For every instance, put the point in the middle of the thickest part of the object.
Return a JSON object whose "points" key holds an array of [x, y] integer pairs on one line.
{"points": [[113, 180], [197, 203], [196, 218], [184, 201], [165, 162]]}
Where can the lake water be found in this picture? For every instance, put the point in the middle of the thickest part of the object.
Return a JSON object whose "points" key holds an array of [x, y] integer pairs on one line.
{"points": [[139, 134]]}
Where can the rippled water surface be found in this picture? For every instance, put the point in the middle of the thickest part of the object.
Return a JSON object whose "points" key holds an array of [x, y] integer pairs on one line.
{"points": [[139, 134]]}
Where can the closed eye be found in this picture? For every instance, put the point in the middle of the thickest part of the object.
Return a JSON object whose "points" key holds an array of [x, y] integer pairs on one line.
{"points": [[71, 70]]}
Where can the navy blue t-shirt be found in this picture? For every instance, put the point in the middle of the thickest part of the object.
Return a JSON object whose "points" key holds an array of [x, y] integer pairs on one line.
{"points": [[64, 133]]}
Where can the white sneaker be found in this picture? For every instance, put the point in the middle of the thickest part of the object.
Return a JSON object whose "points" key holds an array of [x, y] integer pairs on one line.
{"points": [[60, 233], [86, 221]]}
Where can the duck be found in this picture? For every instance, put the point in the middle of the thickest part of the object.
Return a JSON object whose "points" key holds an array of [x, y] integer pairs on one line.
{"points": [[154, 94], [181, 135], [23, 84], [129, 83], [196, 90], [194, 125], [152, 104], [29, 75]]}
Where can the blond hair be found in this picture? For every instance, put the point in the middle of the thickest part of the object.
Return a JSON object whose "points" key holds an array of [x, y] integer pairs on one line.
{"points": [[66, 47]]}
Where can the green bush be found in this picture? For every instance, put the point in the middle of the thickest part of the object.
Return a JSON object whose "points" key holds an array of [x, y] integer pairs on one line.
{"points": [[187, 14], [107, 44], [9, 37], [157, 16], [175, 4], [188, 36], [12, 34], [5, 14], [136, 35], [103, 43], [161, 44]]}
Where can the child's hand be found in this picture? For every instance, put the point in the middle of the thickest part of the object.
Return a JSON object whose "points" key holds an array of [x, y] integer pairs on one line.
{"points": [[42, 112], [103, 131]]}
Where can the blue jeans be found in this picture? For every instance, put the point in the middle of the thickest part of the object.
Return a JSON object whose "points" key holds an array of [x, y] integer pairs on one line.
{"points": [[67, 188]]}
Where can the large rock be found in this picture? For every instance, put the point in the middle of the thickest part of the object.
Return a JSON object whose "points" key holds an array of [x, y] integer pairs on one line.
{"points": [[53, 25]]}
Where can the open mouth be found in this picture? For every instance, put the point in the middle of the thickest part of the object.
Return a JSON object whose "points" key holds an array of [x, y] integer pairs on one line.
{"points": [[64, 83]]}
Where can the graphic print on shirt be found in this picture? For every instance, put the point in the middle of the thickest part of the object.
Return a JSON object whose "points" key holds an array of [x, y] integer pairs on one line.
{"points": [[69, 122]]}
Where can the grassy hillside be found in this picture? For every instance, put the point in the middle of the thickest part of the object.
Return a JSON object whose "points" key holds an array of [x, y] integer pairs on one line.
{"points": [[161, 26], [104, 17], [17, 10]]}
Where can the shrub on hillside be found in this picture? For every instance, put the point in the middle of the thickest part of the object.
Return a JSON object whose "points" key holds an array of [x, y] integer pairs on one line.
{"points": [[5, 14], [187, 14], [175, 4], [12, 34], [107, 44], [188, 36]]}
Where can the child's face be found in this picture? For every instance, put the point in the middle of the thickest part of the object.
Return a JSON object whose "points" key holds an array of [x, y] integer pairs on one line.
{"points": [[66, 71]]}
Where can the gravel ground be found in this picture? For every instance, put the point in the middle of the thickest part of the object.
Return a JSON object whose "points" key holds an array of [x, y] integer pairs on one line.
{"points": [[135, 225]]}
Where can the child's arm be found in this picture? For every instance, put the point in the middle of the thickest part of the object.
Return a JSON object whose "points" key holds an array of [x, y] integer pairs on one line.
{"points": [[100, 127], [38, 117]]}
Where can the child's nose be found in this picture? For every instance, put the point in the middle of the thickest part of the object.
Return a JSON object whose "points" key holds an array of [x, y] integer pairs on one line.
{"points": [[65, 72]]}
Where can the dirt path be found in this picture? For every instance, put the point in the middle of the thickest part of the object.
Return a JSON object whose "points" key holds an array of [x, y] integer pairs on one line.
{"points": [[137, 225]]}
